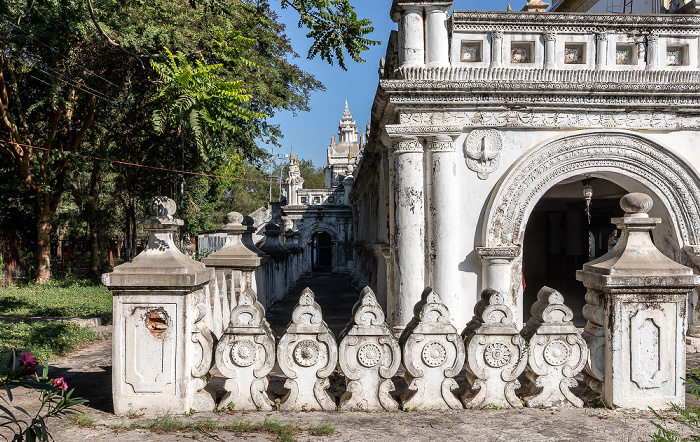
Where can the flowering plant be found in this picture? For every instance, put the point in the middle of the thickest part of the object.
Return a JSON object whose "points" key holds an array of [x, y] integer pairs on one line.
{"points": [[56, 400]]}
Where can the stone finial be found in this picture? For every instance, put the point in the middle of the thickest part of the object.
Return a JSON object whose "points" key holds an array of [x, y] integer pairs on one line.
{"points": [[369, 357], [245, 355], [307, 354], [234, 218], [433, 355], [496, 354], [557, 352], [636, 205], [162, 207]]}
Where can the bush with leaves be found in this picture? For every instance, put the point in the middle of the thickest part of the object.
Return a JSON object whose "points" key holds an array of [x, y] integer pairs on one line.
{"points": [[689, 417], [56, 400]]}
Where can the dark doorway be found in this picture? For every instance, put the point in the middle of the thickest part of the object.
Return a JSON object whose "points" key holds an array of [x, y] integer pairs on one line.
{"points": [[323, 252], [559, 240]]}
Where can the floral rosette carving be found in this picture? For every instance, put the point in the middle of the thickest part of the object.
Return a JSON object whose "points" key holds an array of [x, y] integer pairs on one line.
{"points": [[433, 354], [245, 355], [369, 357], [557, 352], [496, 354], [307, 354]]}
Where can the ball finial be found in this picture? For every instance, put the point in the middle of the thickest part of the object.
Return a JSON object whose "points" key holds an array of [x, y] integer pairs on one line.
{"points": [[233, 218], [636, 204], [162, 207]]}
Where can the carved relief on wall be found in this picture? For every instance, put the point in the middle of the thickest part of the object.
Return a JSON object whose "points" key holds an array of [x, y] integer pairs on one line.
{"points": [[483, 151]]}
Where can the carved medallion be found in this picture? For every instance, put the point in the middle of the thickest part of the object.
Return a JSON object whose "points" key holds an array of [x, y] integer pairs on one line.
{"points": [[483, 151], [434, 354], [243, 353], [556, 352], [306, 353], [369, 355], [497, 355]]}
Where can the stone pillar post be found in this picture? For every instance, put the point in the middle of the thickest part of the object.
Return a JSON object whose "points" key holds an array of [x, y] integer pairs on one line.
{"points": [[279, 253], [652, 52], [409, 229], [444, 250], [161, 346], [550, 39], [496, 49], [643, 295], [437, 43], [601, 60], [239, 257], [499, 273]]}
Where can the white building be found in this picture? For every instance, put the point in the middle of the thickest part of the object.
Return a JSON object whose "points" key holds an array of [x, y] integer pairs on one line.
{"points": [[486, 128]]}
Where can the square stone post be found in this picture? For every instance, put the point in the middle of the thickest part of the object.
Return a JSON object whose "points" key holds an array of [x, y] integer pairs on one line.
{"points": [[161, 347], [641, 350], [239, 256]]}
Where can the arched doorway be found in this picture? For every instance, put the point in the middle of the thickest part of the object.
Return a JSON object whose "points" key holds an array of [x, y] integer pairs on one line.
{"points": [[322, 247], [559, 239], [627, 159]]}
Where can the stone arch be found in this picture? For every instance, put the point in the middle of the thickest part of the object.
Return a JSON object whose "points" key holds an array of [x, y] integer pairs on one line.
{"points": [[309, 231], [668, 176]]}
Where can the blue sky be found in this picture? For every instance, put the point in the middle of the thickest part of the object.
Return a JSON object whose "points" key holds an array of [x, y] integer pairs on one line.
{"points": [[309, 133]]}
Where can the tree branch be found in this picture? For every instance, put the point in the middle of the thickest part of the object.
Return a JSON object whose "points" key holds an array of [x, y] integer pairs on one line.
{"points": [[104, 34]]}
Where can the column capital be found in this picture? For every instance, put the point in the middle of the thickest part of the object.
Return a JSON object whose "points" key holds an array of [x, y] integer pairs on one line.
{"points": [[507, 253], [406, 145], [550, 35], [497, 34], [442, 143], [602, 36]]}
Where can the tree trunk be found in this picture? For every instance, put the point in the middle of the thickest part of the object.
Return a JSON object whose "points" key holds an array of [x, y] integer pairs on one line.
{"points": [[43, 246], [92, 217]]}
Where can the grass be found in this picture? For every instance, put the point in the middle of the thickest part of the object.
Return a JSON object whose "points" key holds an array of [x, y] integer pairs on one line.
{"points": [[68, 297], [44, 340], [172, 424]]}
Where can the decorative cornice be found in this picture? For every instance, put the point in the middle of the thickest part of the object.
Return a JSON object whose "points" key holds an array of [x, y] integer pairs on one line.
{"points": [[416, 118], [620, 23], [423, 130]]}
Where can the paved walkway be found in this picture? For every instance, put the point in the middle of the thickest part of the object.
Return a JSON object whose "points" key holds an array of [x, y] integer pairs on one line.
{"points": [[333, 292]]}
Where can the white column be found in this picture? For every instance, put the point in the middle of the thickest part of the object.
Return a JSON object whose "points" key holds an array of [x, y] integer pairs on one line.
{"points": [[408, 230], [444, 248], [652, 52], [413, 47], [498, 267], [550, 38], [601, 51], [437, 49], [496, 49]]}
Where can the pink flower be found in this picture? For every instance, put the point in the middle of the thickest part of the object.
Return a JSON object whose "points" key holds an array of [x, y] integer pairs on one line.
{"points": [[27, 361], [59, 383]]}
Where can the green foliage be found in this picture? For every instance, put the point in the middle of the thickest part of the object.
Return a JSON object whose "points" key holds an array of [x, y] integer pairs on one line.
{"points": [[322, 430], [334, 27], [689, 417], [55, 399], [197, 95], [46, 340], [314, 177], [70, 297]]}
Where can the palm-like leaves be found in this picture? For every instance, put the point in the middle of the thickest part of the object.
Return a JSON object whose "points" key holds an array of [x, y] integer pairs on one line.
{"points": [[196, 94]]}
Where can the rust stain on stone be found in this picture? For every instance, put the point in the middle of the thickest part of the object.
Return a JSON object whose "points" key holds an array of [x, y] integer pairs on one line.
{"points": [[156, 324]]}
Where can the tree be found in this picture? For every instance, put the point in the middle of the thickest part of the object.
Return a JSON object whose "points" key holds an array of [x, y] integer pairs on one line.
{"points": [[93, 91]]}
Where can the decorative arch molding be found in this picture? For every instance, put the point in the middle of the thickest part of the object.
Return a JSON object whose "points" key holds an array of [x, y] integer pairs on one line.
{"points": [[673, 180], [309, 231]]}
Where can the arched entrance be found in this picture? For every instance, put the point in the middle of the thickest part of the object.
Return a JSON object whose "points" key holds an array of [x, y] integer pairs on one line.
{"points": [[559, 239], [322, 246], [626, 159]]}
